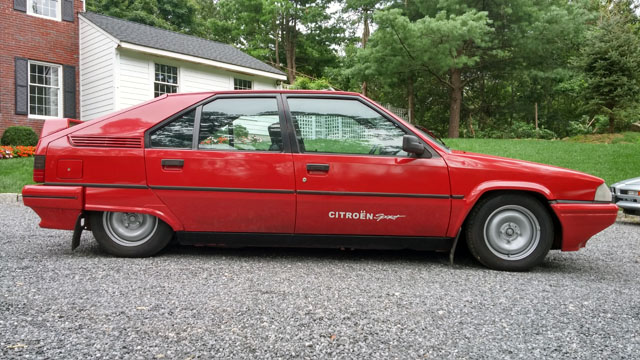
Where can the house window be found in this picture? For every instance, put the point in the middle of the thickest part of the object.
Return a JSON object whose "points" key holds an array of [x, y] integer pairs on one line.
{"points": [[44, 8], [241, 84], [45, 89], [166, 80]]}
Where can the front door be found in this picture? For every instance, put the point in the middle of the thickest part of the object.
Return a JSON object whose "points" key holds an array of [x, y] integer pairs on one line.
{"points": [[352, 177], [223, 167]]}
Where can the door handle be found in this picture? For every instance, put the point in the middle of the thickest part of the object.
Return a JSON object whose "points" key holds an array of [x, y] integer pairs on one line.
{"points": [[172, 163], [318, 167]]}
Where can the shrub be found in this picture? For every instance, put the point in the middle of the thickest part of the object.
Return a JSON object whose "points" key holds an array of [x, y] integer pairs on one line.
{"points": [[19, 135]]}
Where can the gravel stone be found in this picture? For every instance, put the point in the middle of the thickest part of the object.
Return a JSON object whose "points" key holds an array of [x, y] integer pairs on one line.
{"points": [[202, 303]]}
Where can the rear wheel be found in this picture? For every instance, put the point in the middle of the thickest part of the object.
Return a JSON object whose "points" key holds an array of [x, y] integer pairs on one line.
{"points": [[130, 234], [510, 232]]}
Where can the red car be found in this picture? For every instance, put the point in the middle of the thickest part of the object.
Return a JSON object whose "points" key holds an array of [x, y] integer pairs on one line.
{"points": [[302, 169]]}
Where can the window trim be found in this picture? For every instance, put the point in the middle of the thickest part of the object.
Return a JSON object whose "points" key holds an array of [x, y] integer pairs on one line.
{"points": [[60, 90], [58, 11], [294, 141], [284, 124], [177, 84], [286, 148], [241, 79]]}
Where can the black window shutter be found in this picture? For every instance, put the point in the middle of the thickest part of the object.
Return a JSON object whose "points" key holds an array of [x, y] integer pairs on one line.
{"points": [[67, 10], [20, 5], [69, 96], [22, 86]]}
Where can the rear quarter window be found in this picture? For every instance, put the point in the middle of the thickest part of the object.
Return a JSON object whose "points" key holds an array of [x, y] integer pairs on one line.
{"points": [[176, 134]]}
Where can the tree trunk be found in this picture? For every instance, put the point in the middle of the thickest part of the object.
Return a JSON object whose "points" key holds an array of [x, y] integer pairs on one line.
{"points": [[365, 38], [277, 62], [455, 98], [411, 100], [289, 36], [612, 123], [290, 48]]}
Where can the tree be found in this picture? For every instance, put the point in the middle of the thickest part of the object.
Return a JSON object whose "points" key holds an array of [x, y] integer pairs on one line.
{"points": [[177, 15], [611, 61], [363, 9], [443, 46]]}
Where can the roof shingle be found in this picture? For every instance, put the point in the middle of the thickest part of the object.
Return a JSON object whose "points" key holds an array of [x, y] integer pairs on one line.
{"points": [[153, 37]]}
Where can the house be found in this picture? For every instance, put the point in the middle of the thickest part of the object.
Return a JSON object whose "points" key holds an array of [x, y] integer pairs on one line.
{"points": [[58, 61], [123, 63], [38, 61]]}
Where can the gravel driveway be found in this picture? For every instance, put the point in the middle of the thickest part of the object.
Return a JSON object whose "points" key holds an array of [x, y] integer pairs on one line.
{"points": [[281, 303]]}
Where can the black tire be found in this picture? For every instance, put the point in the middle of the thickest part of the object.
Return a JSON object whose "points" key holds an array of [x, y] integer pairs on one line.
{"points": [[145, 235], [511, 232]]}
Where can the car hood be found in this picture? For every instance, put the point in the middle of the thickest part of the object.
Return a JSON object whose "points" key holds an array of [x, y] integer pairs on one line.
{"points": [[629, 184], [556, 183]]}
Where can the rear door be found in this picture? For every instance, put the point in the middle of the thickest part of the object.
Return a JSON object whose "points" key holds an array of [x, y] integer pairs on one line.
{"points": [[223, 166], [353, 178]]}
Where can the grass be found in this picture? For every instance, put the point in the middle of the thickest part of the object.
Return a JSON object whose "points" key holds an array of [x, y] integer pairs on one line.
{"points": [[613, 157], [612, 161], [15, 173]]}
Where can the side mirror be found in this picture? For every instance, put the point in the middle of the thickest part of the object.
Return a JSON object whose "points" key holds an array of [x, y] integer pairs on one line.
{"points": [[412, 145]]}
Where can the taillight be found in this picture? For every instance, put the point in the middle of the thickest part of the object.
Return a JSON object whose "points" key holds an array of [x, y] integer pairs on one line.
{"points": [[38, 168]]}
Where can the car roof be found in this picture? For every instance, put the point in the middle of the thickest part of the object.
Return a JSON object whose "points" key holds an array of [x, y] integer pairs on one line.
{"points": [[274, 91]]}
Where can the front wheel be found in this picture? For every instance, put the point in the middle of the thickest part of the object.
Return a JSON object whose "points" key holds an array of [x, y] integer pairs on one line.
{"points": [[130, 234], [510, 232]]}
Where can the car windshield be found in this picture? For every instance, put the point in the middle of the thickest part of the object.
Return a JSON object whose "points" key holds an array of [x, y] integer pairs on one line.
{"points": [[426, 132]]}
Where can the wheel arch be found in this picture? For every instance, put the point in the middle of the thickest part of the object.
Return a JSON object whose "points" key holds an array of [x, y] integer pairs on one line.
{"points": [[168, 219], [538, 192], [557, 227], [142, 201]]}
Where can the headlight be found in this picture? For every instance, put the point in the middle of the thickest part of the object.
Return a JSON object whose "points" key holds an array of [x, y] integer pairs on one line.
{"points": [[603, 193]]}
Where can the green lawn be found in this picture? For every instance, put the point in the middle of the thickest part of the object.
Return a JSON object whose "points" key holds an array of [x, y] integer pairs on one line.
{"points": [[15, 173], [612, 162]]}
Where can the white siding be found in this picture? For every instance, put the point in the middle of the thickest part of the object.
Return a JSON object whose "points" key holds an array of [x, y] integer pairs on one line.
{"points": [[203, 78], [261, 83], [136, 72], [134, 79], [97, 66]]}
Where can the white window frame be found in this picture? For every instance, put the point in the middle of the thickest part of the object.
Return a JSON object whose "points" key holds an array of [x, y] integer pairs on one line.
{"points": [[58, 11], [60, 90], [177, 84], [240, 79]]}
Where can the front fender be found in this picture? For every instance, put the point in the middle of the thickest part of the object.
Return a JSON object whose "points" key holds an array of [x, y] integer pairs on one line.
{"points": [[460, 208]]}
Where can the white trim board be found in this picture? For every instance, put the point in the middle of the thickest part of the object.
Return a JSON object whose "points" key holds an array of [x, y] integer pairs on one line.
{"points": [[198, 60]]}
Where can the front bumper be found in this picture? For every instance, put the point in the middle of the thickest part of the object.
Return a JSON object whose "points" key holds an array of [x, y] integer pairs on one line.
{"points": [[580, 221], [57, 206], [628, 204]]}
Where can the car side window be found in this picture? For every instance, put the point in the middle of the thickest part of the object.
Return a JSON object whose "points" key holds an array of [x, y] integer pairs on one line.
{"points": [[241, 124], [176, 134], [344, 126]]}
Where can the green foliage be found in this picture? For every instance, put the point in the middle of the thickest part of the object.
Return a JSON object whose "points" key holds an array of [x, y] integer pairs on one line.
{"points": [[305, 83], [517, 130], [610, 61], [19, 135], [177, 15], [240, 131]]}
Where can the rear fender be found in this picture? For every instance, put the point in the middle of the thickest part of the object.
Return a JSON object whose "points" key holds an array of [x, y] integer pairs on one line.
{"points": [[142, 201]]}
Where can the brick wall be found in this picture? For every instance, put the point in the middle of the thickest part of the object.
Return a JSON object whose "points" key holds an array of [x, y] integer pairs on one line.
{"points": [[34, 38]]}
